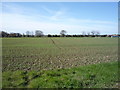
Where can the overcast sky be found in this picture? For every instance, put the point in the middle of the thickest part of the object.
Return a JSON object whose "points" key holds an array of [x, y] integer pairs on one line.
{"points": [[52, 17]]}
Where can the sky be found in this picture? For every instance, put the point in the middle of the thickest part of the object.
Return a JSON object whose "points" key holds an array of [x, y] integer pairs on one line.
{"points": [[52, 17]]}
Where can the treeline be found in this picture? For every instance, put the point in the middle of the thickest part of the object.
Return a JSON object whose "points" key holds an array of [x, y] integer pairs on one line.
{"points": [[39, 33], [28, 34], [78, 35]]}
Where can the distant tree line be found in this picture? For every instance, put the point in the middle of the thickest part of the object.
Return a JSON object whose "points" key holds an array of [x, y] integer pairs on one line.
{"points": [[39, 33]]}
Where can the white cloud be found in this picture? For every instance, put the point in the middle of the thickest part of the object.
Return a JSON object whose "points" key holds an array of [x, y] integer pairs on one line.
{"points": [[18, 21], [22, 23], [55, 14], [90, 21]]}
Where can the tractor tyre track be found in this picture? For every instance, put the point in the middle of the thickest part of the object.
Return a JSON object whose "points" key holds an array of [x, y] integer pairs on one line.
{"points": [[55, 43]]}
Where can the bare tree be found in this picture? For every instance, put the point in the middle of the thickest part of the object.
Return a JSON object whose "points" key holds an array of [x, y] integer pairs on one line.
{"points": [[23, 35], [93, 32], [32, 34], [97, 33], [38, 33], [83, 33], [27, 33], [63, 32], [88, 33]]}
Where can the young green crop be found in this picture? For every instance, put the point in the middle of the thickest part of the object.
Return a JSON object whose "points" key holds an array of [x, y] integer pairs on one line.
{"points": [[40, 53], [104, 75]]}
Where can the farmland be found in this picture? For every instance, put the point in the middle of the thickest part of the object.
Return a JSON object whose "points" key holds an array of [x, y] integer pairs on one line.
{"points": [[47, 54]]}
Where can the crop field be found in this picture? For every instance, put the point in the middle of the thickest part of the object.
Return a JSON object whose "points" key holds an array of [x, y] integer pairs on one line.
{"points": [[44, 54]]}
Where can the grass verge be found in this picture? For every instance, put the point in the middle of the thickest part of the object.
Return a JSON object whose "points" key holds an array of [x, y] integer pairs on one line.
{"points": [[104, 75]]}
